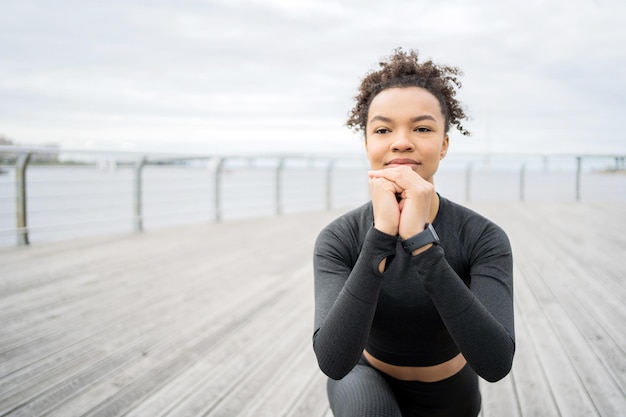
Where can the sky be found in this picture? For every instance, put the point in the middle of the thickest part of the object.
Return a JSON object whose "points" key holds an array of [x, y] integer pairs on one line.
{"points": [[279, 76]]}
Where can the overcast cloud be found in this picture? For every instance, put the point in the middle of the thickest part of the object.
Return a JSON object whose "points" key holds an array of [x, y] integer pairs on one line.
{"points": [[279, 75]]}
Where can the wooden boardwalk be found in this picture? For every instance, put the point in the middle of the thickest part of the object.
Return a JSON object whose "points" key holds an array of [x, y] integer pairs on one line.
{"points": [[216, 319]]}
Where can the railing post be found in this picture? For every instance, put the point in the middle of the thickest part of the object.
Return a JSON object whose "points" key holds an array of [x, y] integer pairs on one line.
{"points": [[278, 182], [20, 198], [579, 163], [468, 181], [218, 189], [329, 184], [137, 197], [522, 182]]}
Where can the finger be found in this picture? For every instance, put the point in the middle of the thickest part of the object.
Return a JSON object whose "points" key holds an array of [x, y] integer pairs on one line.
{"points": [[394, 174], [404, 177], [401, 204], [385, 184]]}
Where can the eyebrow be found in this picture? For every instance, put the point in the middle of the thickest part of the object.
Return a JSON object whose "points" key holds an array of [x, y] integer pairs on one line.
{"points": [[413, 120]]}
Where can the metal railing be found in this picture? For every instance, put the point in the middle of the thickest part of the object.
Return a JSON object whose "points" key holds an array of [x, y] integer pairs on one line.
{"points": [[569, 164], [154, 188], [216, 182]]}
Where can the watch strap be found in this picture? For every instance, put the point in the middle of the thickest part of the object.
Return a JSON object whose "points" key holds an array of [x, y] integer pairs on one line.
{"points": [[421, 239]]}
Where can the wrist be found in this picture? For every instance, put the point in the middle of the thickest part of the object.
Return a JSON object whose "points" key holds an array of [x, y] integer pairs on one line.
{"points": [[422, 241], [388, 230], [422, 249]]}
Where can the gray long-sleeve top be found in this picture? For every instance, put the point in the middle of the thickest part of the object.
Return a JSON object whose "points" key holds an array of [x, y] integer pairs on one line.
{"points": [[422, 310]]}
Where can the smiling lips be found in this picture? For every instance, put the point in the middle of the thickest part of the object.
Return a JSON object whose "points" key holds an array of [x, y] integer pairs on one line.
{"points": [[402, 161]]}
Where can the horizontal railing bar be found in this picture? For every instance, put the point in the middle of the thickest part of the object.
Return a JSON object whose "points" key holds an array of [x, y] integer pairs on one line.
{"points": [[239, 208], [149, 216], [169, 156], [159, 201], [449, 166], [91, 221], [53, 197], [309, 155], [169, 188], [221, 186], [75, 208], [76, 181], [202, 198], [57, 225]]}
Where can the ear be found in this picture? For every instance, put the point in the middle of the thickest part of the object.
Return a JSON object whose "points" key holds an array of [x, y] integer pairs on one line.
{"points": [[444, 147]]}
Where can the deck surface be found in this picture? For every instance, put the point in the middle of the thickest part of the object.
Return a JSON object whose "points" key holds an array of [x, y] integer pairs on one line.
{"points": [[216, 319]]}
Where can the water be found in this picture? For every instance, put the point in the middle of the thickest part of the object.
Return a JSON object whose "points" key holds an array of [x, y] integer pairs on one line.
{"points": [[72, 201]]}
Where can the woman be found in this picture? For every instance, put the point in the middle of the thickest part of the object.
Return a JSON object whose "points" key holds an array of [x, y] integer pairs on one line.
{"points": [[413, 293]]}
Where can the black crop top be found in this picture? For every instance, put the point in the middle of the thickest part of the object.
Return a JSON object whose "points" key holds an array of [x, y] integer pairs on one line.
{"points": [[423, 310]]}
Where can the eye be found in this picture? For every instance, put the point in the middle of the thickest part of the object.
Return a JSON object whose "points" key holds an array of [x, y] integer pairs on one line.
{"points": [[381, 130], [422, 129]]}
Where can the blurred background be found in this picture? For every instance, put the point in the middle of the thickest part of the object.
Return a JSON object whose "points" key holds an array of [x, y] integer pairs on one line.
{"points": [[218, 76], [194, 99]]}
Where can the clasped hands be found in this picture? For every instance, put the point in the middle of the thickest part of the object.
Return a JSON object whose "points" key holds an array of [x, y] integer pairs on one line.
{"points": [[401, 199]]}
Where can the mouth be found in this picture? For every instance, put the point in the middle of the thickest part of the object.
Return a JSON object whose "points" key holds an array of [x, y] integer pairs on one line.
{"points": [[402, 161]]}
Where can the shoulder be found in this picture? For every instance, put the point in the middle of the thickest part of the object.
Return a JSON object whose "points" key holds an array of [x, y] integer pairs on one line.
{"points": [[347, 231], [462, 218], [355, 222], [469, 227]]}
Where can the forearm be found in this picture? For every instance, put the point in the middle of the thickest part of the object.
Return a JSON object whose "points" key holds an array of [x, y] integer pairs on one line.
{"points": [[343, 326], [485, 343], [481, 335], [338, 344]]}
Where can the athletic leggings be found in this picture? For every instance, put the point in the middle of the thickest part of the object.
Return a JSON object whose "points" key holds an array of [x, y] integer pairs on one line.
{"points": [[367, 392]]}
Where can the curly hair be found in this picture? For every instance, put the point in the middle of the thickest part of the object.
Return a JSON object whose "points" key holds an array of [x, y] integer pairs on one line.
{"points": [[403, 69]]}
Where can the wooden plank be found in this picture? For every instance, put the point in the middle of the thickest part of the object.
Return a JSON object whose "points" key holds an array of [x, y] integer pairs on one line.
{"points": [[234, 401], [536, 398], [124, 316], [554, 281], [313, 401], [260, 283], [556, 276], [499, 399], [129, 387], [287, 384], [179, 321], [236, 353]]}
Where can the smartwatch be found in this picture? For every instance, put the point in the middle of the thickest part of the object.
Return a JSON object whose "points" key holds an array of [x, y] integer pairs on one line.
{"points": [[421, 239]]}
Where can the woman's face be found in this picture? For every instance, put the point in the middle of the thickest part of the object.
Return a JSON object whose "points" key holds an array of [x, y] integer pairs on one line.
{"points": [[406, 126]]}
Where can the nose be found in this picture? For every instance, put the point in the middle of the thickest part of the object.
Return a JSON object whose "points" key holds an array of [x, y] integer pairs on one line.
{"points": [[402, 143]]}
